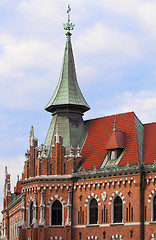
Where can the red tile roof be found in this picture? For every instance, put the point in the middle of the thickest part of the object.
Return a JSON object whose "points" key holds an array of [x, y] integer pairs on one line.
{"points": [[149, 152], [116, 140], [99, 132]]}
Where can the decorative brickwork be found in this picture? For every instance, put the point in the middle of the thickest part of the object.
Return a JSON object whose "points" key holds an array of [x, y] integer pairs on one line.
{"points": [[92, 237], [117, 237], [117, 193], [56, 197], [56, 238], [153, 192], [92, 195], [69, 188]]}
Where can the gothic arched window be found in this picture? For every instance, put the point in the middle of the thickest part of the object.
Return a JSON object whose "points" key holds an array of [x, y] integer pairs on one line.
{"points": [[117, 210], [154, 208], [93, 212], [56, 213], [30, 213]]}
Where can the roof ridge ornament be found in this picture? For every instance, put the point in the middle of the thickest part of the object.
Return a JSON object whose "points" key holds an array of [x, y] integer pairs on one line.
{"points": [[31, 138], [68, 26], [114, 129]]}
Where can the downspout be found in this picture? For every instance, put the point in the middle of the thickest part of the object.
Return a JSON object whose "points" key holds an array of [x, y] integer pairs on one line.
{"points": [[72, 211], [8, 235], [142, 203]]}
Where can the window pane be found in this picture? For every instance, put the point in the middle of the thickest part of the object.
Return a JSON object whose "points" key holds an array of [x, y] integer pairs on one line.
{"points": [[113, 155], [93, 212], [118, 210], [31, 212], [56, 212]]}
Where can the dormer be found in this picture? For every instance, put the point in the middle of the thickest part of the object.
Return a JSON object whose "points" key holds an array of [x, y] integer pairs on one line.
{"points": [[115, 146]]}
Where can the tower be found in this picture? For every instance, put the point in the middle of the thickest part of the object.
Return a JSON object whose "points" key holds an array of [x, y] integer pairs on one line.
{"points": [[67, 104]]}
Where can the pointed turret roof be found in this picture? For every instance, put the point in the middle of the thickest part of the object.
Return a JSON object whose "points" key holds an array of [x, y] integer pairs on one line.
{"points": [[67, 92], [67, 104]]}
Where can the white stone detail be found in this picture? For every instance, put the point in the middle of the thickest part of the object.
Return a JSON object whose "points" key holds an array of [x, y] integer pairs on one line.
{"points": [[104, 196]]}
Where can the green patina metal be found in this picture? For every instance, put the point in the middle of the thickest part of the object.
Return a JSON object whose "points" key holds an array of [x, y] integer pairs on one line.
{"points": [[72, 129], [109, 163], [140, 137], [67, 91], [67, 104]]}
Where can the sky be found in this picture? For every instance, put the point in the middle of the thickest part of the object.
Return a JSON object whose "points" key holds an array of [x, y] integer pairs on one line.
{"points": [[115, 57]]}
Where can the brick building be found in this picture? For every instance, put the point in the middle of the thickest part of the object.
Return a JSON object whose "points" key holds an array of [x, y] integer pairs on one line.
{"points": [[91, 179]]}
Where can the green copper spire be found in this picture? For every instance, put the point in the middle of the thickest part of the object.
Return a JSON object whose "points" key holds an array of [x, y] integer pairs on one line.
{"points": [[67, 92], [67, 104]]}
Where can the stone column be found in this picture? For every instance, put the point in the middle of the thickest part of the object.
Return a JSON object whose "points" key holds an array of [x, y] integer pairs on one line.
{"points": [[23, 222], [34, 221], [68, 221], [42, 210]]}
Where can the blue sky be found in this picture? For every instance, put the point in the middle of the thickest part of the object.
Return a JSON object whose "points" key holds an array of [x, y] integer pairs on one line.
{"points": [[115, 55]]}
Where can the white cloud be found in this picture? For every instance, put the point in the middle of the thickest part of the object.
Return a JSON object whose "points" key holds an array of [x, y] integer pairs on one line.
{"points": [[101, 38], [142, 103], [42, 13], [139, 12], [26, 67], [25, 53], [121, 6]]}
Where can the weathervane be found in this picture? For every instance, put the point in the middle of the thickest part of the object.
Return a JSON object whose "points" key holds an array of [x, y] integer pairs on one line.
{"points": [[68, 26]]}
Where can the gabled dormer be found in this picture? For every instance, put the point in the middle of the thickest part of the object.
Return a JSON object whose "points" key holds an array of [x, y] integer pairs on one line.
{"points": [[115, 147]]}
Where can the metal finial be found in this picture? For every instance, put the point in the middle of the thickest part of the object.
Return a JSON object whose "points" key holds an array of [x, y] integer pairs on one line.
{"points": [[68, 26], [17, 178], [68, 12], [114, 129]]}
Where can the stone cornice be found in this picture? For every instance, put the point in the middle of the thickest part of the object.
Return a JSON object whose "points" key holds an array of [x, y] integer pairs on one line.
{"points": [[46, 178], [114, 171]]}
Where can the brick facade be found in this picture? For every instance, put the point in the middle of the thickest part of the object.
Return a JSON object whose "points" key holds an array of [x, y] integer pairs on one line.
{"points": [[89, 180]]}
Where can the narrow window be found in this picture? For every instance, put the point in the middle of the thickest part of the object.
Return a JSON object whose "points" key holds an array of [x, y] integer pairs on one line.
{"points": [[154, 208], [93, 216], [113, 155], [117, 210], [31, 213], [56, 213]]}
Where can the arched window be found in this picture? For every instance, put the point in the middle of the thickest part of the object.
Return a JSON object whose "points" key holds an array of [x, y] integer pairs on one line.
{"points": [[117, 210], [154, 208], [93, 212], [56, 213], [30, 213]]}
